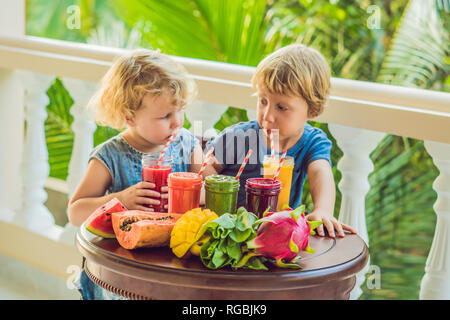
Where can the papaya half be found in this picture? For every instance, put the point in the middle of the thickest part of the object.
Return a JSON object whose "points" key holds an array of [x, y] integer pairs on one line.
{"points": [[138, 229]]}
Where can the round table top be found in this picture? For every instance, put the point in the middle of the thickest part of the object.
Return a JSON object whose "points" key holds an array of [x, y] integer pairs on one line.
{"points": [[334, 257]]}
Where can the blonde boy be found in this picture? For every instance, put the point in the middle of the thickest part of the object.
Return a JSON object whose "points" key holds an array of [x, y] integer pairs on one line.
{"points": [[292, 85]]}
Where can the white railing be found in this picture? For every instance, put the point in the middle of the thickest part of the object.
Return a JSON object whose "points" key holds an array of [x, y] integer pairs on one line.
{"points": [[359, 115]]}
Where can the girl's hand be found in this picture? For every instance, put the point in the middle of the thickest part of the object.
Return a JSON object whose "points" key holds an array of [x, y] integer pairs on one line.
{"points": [[330, 223], [138, 196]]}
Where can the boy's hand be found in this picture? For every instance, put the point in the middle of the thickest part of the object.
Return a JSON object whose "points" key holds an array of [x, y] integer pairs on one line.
{"points": [[330, 223], [138, 196]]}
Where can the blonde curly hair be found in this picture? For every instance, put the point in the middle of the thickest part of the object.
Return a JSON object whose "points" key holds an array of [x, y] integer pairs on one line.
{"points": [[296, 70], [132, 76]]}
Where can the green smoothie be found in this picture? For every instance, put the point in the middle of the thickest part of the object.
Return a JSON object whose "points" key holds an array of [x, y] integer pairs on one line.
{"points": [[221, 193]]}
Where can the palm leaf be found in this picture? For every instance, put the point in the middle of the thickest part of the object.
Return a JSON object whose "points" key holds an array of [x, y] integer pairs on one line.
{"points": [[175, 35], [49, 19], [229, 117], [237, 27], [58, 132], [419, 48], [224, 30]]}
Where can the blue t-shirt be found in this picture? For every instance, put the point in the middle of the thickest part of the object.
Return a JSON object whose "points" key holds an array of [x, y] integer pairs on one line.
{"points": [[232, 144], [124, 162]]}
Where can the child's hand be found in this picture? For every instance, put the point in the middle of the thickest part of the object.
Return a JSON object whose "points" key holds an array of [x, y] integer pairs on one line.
{"points": [[330, 224], [138, 196]]}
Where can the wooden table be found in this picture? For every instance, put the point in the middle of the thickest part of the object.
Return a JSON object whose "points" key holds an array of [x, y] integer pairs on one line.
{"points": [[156, 273]]}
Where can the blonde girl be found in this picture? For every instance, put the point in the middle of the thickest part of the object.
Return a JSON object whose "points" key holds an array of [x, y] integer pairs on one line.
{"points": [[144, 92]]}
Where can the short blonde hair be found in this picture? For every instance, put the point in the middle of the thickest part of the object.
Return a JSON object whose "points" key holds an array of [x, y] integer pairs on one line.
{"points": [[132, 76], [296, 70]]}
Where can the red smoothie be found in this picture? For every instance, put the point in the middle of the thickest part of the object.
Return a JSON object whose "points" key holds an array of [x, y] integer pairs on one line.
{"points": [[157, 174]]}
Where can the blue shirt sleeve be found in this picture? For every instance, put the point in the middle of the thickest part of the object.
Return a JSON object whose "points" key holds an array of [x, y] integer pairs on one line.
{"points": [[320, 148], [104, 155]]}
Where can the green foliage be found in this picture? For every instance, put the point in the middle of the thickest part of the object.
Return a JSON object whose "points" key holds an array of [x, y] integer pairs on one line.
{"points": [[225, 30], [49, 19], [229, 117], [418, 53], [71, 20], [187, 124], [58, 132]]}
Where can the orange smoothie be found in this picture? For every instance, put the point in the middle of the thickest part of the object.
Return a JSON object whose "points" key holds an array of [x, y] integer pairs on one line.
{"points": [[285, 176], [184, 191]]}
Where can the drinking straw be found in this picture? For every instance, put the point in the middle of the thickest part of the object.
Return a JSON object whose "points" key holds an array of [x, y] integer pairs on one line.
{"points": [[280, 165], [208, 155], [165, 149], [243, 164], [272, 144]]}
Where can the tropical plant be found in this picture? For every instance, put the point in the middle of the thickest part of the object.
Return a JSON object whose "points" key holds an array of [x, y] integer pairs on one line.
{"points": [[419, 55], [400, 216], [224, 30], [58, 132]]}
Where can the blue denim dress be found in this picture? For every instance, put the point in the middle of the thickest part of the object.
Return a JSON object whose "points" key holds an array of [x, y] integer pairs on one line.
{"points": [[124, 164]]}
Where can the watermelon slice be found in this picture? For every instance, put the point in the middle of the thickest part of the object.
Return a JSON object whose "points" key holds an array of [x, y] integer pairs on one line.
{"points": [[100, 223]]}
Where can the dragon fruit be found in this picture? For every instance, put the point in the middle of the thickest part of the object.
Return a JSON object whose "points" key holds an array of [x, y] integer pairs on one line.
{"points": [[282, 235]]}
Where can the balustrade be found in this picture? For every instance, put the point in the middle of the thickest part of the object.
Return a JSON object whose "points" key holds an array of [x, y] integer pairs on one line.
{"points": [[35, 168], [436, 281], [355, 166]]}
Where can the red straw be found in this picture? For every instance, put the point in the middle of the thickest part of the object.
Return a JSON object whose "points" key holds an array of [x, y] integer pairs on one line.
{"points": [[165, 149], [243, 164], [272, 144], [207, 157], [280, 164]]}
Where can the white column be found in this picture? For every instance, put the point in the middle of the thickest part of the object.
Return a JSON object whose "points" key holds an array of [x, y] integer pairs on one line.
{"points": [[12, 17], [436, 281], [12, 23], [35, 168], [11, 143], [355, 166], [83, 127]]}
